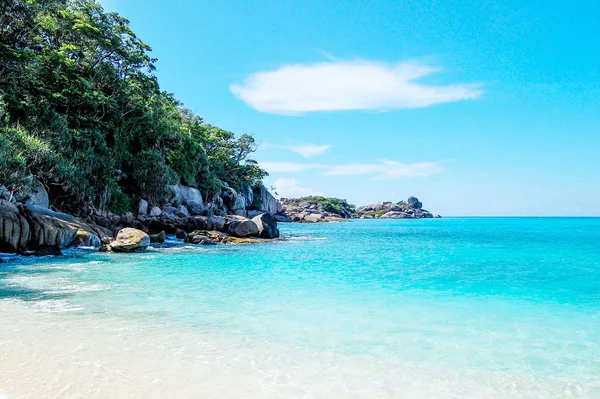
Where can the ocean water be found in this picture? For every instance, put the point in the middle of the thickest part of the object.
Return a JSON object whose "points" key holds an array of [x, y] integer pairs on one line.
{"points": [[439, 308]]}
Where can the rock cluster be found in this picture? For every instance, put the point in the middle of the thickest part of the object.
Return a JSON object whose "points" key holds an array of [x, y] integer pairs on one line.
{"points": [[410, 209], [314, 210]]}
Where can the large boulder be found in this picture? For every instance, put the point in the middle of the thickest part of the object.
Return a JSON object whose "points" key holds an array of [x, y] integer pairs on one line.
{"points": [[158, 237], [217, 222], [414, 202], [130, 240], [196, 208], [245, 228], [396, 215], [267, 225], [155, 211], [14, 228], [183, 194], [142, 207], [35, 195], [60, 229], [182, 212], [234, 202], [268, 202]]}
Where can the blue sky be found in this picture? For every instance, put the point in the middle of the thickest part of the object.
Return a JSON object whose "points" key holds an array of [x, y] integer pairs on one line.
{"points": [[476, 107]]}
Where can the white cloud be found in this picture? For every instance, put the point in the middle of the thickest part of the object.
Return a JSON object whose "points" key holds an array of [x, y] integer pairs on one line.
{"points": [[309, 150], [291, 188], [347, 85], [306, 150], [387, 169], [384, 169]]}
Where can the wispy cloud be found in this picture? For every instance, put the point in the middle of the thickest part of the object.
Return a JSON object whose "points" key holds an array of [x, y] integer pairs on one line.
{"points": [[283, 167], [384, 169], [306, 150], [347, 85], [291, 188]]}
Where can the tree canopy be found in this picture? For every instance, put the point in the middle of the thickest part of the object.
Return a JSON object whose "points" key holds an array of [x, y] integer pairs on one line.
{"points": [[82, 111]]}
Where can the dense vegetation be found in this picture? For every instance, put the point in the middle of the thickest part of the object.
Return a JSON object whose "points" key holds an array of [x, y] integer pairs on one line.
{"points": [[333, 205], [81, 111]]}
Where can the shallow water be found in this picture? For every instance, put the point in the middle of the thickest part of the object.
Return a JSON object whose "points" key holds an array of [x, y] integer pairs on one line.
{"points": [[444, 308]]}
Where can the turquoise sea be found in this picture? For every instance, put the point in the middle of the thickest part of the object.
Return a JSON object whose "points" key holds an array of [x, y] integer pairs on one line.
{"points": [[437, 308]]}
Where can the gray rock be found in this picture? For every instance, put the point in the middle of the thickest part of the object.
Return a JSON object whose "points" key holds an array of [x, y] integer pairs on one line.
{"points": [[248, 194], [283, 219], [253, 213], [395, 215], [35, 195], [182, 212], [55, 228], [4, 193], [155, 211], [169, 210], [143, 207], [196, 208], [48, 250], [267, 225], [130, 240], [414, 202], [198, 239], [14, 228], [159, 237], [217, 222], [183, 194], [244, 228], [314, 217], [268, 202]]}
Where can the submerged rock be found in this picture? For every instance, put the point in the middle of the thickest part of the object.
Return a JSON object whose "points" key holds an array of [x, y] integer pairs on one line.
{"points": [[48, 250], [159, 237], [130, 240]]}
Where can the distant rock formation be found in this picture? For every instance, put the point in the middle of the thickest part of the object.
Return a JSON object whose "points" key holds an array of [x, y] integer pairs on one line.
{"points": [[314, 209], [410, 209]]}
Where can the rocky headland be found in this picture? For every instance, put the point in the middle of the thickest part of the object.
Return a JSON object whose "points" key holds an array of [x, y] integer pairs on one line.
{"points": [[29, 225]]}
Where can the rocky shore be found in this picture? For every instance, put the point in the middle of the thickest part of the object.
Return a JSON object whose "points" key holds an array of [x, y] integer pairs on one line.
{"points": [[29, 226]]}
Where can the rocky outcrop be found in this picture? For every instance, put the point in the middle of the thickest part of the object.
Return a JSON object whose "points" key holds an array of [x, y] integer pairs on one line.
{"points": [[234, 202], [48, 227], [14, 228], [130, 240], [182, 194], [242, 228], [268, 203], [219, 237], [314, 210], [29, 227], [411, 209]]}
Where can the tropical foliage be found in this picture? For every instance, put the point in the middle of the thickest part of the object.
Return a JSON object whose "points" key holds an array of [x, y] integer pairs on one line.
{"points": [[82, 111]]}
